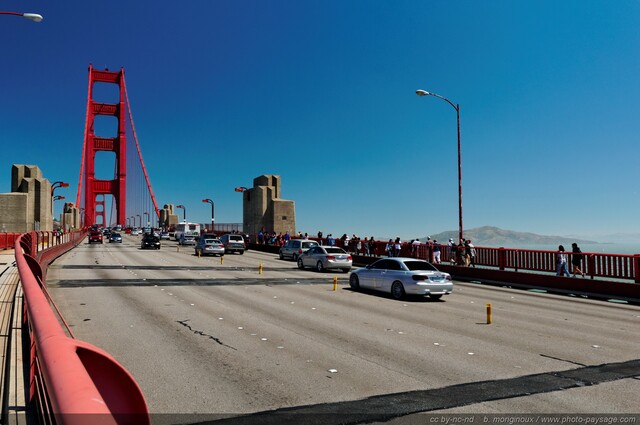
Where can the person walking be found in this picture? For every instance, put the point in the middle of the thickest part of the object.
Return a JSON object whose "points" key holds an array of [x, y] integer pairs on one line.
{"points": [[452, 251], [372, 246], [436, 252], [576, 260], [561, 262], [397, 248], [389, 248], [470, 253]]}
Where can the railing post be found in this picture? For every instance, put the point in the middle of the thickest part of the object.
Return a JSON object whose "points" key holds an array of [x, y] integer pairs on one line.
{"points": [[591, 266], [636, 267], [502, 258]]}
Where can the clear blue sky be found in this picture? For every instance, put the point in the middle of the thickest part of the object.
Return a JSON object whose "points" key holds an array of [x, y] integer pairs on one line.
{"points": [[323, 93]]}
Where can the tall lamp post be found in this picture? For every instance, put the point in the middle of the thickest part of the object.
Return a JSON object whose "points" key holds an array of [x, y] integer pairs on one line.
{"points": [[184, 212], [457, 108], [54, 186], [212, 212], [30, 16], [147, 215]]}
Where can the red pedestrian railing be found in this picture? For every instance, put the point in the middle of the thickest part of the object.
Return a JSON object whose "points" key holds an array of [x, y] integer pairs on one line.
{"points": [[8, 240], [593, 264], [71, 381]]}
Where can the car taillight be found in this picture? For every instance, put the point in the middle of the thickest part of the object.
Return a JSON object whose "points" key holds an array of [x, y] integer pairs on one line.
{"points": [[299, 251], [349, 258], [330, 257], [448, 277], [420, 277]]}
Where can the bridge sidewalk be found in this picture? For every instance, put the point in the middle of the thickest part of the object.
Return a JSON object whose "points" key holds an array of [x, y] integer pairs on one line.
{"points": [[12, 376]]}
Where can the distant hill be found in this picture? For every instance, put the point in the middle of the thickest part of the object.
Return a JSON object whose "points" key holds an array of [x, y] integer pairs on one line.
{"points": [[496, 237]]}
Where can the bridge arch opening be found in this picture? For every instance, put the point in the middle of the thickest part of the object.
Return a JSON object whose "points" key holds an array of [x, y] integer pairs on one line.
{"points": [[106, 93]]}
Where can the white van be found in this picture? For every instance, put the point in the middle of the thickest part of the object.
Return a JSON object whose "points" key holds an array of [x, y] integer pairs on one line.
{"points": [[233, 243]]}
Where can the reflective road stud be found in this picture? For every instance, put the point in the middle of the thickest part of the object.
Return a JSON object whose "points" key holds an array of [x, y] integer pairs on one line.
{"points": [[489, 315], [335, 283]]}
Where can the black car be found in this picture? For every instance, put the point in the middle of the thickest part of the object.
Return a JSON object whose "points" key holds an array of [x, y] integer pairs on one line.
{"points": [[151, 241]]}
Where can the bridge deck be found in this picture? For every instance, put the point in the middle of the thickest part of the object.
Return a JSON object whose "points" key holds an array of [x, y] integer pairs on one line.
{"points": [[11, 367]]}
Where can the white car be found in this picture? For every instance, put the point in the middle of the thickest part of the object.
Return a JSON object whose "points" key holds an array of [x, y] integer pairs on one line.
{"points": [[403, 276], [326, 257]]}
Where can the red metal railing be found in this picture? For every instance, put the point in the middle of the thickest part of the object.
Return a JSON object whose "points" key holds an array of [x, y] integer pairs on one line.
{"points": [[8, 240], [71, 381], [593, 264]]}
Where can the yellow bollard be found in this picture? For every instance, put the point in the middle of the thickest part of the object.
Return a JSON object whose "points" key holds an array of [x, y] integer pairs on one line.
{"points": [[178, 248], [198, 253], [222, 259], [335, 283], [489, 315], [260, 269]]}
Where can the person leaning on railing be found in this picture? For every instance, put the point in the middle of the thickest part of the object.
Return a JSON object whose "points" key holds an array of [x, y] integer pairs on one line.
{"points": [[576, 260], [561, 262]]}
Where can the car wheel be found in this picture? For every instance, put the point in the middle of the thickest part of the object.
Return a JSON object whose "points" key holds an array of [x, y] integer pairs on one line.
{"points": [[354, 282], [241, 252], [281, 256], [319, 266], [397, 290], [300, 265], [435, 297], [295, 257]]}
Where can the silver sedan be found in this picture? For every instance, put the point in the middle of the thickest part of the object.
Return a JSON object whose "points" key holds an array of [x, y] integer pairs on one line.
{"points": [[403, 276], [208, 246], [326, 257]]}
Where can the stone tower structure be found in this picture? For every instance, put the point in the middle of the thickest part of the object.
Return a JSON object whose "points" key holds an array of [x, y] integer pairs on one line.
{"points": [[262, 208], [168, 217], [28, 206]]}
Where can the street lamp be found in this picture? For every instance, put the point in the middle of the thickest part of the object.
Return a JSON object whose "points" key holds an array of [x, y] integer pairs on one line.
{"points": [[54, 186], [30, 16], [212, 212], [457, 108], [184, 212], [146, 214]]}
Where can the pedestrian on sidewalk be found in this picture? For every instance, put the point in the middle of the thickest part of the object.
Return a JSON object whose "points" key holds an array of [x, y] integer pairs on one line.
{"points": [[561, 262], [576, 260]]}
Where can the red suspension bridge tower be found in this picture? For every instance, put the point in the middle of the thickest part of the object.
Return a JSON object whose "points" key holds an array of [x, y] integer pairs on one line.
{"points": [[96, 190]]}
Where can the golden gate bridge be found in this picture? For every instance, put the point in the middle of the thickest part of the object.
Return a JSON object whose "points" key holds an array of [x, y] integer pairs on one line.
{"points": [[128, 195]]}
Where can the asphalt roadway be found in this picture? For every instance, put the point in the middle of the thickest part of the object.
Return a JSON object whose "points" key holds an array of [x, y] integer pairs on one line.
{"points": [[219, 342]]}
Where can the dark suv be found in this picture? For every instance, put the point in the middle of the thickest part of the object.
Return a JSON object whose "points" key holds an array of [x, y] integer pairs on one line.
{"points": [[149, 240], [95, 236]]}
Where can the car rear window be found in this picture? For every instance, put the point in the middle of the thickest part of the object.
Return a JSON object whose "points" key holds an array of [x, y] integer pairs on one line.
{"points": [[309, 244], [209, 241], [419, 265], [335, 251], [235, 238]]}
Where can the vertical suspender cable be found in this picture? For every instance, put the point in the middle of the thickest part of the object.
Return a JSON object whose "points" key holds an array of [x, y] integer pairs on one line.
{"points": [[135, 138]]}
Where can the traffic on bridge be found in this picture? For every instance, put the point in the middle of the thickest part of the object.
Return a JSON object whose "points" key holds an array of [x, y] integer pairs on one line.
{"points": [[218, 337]]}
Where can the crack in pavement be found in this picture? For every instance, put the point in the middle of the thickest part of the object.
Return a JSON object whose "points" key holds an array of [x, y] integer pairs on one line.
{"points": [[201, 333]]}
